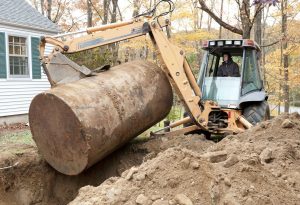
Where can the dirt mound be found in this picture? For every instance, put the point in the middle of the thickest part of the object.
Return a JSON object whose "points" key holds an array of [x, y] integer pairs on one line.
{"points": [[25, 178], [259, 166]]}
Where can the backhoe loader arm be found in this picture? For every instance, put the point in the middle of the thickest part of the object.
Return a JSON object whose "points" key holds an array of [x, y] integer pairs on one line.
{"points": [[172, 58]]}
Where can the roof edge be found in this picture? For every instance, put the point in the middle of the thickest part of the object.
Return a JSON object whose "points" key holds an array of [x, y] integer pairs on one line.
{"points": [[30, 27]]}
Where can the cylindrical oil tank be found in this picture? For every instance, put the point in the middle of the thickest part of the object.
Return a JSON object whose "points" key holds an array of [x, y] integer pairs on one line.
{"points": [[77, 124]]}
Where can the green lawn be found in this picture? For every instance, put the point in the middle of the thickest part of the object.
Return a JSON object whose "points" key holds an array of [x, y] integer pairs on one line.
{"points": [[25, 137], [20, 137]]}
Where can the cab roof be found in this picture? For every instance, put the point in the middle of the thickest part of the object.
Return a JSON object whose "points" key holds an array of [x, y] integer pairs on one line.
{"points": [[227, 44]]}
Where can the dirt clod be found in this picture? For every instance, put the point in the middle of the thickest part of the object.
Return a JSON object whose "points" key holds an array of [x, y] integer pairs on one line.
{"points": [[182, 199], [142, 200], [215, 157], [232, 160], [266, 156], [161, 202], [195, 165], [287, 124]]}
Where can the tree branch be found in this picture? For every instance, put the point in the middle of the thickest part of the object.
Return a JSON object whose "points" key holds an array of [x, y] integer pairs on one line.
{"points": [[96, 10], [57, 12], [257, 11], [271, 44], [121, 17], [218, 19]]}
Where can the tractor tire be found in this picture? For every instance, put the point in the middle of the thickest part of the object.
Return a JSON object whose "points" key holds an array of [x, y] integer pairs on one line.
{"points": [[257, 112]]}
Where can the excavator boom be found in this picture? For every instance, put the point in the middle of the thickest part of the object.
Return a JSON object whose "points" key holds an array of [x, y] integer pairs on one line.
{"points": [[172, 58]]}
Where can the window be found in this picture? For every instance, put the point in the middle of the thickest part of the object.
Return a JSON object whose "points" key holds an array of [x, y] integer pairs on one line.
{"points": [[18, 57], [251, 75], [213, 61], [238, 59], [212, 65]]}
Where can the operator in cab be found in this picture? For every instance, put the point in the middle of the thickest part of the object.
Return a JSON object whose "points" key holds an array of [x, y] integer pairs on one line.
{"points": [[228, 68]]}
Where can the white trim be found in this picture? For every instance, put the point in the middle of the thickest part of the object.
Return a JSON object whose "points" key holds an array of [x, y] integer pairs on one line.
{"points": [[29, 55], [6, 53]]}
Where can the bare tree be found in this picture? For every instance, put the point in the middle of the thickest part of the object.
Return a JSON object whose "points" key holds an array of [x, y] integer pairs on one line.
{"points": [[35, 3], [106, 4], [115, 46], [221, 17], [245, 17], [209, 19], [89, 13], [257, 27], [42, 6], [136, 7], [114, 11], [200, 21], [49, 9], [285, 56], [265, 14]]}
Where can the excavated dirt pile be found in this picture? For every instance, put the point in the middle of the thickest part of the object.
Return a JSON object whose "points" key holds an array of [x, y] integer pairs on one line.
{"points": [[25, 178], [259, 166]]}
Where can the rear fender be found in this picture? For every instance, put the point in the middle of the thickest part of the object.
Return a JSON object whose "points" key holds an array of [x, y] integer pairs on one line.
{"points": [[256, 96]]}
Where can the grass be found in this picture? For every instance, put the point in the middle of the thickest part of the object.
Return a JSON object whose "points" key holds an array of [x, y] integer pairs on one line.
{"points": [[22, 137], [25, 137]]}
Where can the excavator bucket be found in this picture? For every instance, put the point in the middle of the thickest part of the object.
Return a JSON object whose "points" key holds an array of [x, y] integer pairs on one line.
{"points": [[61, 70]]}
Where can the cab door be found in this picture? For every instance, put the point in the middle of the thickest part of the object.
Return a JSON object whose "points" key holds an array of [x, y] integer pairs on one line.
{"points": [[251, 80]]}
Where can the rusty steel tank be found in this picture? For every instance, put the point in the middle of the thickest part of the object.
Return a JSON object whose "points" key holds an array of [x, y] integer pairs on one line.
{"points": [[77, 124]]}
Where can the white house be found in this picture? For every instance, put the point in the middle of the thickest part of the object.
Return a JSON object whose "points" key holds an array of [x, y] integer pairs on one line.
{"points": [[21, 75]]}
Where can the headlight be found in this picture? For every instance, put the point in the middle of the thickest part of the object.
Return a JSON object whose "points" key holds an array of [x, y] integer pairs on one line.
{"points": [[228, 42]]}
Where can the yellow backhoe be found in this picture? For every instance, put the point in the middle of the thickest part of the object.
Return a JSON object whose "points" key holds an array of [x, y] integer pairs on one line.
{"points": [[83, 118]]}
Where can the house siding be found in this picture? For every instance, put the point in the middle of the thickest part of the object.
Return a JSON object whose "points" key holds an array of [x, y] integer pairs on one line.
{"points": [[16, 94]]}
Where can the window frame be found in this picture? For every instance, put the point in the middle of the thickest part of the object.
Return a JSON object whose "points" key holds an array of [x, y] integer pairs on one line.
{"points": [[29, 56]]}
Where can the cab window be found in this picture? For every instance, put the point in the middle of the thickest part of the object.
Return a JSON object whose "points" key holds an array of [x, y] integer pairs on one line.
{"points": [[211, 65], [251, 75], [214, 61]]}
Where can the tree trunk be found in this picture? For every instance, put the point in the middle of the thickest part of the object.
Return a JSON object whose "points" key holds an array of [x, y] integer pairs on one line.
{"points": [[209, 20], [201, 18], [114, 46], [195, 18], [246, 23], [136, 7], [49, 9], [221, 17], [265, 15], [35, 3], [257, 27], [89, 14], [42, 7], [105, 11], [114, 11], [285, 56]]}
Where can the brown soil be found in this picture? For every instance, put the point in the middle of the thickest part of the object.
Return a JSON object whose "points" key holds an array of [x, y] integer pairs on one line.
{"points": [[259, 166], [17, 127], [28, 179]]}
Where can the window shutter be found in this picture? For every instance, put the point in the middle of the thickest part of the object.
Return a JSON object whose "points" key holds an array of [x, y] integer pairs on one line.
{"points": [[35, 56], [2, 55]]}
